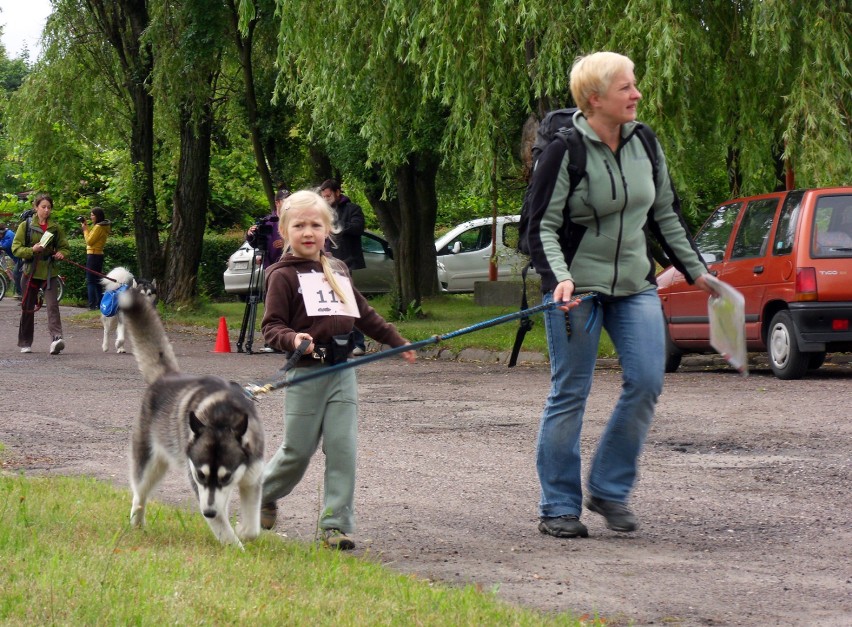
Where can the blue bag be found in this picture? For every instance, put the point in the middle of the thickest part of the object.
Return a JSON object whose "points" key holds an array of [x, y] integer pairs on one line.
{"points": [[109, 301]]}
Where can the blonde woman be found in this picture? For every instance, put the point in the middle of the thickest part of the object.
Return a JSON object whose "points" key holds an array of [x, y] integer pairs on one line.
{"points": [[594, 239], [309, 296]]}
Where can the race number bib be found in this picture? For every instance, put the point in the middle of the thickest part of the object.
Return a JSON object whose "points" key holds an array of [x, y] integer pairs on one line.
{"points": [[321, 300]]}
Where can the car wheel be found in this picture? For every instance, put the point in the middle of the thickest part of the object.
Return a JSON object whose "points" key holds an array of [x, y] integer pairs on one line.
{"points": [[673, 353], [815, 360], [785, 358]]}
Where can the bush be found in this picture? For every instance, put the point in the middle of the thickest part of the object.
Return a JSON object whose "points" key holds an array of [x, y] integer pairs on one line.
{"points": [[121, 251]]}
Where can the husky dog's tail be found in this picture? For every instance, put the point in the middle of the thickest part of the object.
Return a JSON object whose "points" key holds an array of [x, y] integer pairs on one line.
{"points": [[154, 354], [120, 274]]}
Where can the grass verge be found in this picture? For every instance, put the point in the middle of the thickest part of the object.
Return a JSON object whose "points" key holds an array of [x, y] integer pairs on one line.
{"points": [[439, 315], [70, 557]]}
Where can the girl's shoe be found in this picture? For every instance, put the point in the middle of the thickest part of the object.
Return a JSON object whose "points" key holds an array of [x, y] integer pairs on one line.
{"points": [[26, 349], [336, 539], [268, 514]]}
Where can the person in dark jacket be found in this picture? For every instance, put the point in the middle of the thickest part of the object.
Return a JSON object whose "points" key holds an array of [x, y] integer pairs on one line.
{"points": [[272, 244], [350, 221], [300, 290], [594, 240]]}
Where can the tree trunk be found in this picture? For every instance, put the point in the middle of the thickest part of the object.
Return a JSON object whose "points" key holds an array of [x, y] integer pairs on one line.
{"points": [[145, 219], [418, 205], [408, 222], [244, 50], [183, 252], [122, 23]]}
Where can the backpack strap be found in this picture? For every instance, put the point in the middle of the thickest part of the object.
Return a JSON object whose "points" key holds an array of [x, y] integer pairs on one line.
{"points": [[576, 156], [576, 171], [649, 140]]}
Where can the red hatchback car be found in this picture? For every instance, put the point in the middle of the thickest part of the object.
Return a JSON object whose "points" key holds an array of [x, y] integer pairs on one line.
{"points": [[790, 254]]}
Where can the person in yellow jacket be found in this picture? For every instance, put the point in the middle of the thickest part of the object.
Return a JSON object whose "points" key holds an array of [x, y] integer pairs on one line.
{"points": [[96, 238], [40, 243]]}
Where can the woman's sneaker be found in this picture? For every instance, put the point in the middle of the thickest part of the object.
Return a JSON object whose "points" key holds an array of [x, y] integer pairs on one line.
{"points": [[568, 526], [618, 517], [26, 349], [336, 539], [268, 514], [57, 346]]}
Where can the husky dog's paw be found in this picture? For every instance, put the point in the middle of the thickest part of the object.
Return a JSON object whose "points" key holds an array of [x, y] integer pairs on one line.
{"points": [[137, 516], [247, 533], [120, 350]]}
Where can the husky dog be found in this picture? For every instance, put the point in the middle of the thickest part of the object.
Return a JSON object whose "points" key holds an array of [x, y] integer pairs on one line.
{"points": [[115, 324], [205, 422]]}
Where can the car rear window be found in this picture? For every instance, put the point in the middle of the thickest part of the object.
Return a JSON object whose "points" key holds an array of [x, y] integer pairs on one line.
{"points": [[832, 226]]}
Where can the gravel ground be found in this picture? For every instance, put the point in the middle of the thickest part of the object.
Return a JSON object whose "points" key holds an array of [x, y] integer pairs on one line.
{"points": [[743, 497]]}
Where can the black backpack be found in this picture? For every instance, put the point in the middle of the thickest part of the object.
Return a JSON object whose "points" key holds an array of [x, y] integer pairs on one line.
{"points": [[559, 125]]}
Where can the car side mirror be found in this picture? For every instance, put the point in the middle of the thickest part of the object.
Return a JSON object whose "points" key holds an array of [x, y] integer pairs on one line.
{"points": [[456, 249]]}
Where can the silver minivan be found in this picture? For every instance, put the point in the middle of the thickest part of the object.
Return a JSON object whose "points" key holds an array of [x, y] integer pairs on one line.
{"points": [[464, 253]]}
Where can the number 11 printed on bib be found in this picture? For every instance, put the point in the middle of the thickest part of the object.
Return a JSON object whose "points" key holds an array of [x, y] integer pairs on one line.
{"points": [[321, 300]]}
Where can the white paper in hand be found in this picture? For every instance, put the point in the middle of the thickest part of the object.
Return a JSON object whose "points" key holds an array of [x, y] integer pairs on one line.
{"points": [[45, 239], [727, 324]]}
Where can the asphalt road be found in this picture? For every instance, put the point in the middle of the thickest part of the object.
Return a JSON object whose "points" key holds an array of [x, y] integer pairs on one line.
{"points": [[743, 497]]}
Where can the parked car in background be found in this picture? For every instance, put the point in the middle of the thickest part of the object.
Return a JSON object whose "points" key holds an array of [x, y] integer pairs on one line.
{"points": [[375, 278], [790, 254], [464, 253]]}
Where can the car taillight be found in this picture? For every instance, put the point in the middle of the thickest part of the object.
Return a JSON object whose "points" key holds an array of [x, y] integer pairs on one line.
{"points": [[806, 285], [839, 325]]}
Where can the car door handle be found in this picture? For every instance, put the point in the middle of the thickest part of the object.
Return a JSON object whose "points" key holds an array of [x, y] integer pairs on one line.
{"points": [[758, 270]]}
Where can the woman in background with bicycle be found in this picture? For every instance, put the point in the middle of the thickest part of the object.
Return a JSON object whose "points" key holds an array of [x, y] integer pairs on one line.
{"points": [[40, 242], [95, 240]]}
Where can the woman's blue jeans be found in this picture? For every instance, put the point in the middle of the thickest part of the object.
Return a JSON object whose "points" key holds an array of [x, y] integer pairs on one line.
{"points": [[635, 325]]}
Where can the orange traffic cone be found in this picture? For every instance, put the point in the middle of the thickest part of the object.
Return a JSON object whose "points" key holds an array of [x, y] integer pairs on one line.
{"points": [[223, 343]]}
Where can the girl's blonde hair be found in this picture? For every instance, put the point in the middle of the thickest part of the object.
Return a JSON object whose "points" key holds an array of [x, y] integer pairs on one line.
{"points": [[307, 199], [593, 74]]}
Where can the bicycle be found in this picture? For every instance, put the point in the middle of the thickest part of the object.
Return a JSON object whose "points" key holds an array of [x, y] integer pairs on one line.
{"points": [[7, 276], [7, 279]]}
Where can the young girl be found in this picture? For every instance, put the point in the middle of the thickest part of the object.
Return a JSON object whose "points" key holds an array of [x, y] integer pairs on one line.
{"points": [[307, 292]]}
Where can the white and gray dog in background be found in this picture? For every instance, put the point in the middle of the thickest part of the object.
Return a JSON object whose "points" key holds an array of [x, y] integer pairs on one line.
{"points": [[115, 324], [203, 422]]}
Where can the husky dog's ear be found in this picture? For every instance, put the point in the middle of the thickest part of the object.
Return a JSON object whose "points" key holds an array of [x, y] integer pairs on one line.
{"points": [[195, 424]]}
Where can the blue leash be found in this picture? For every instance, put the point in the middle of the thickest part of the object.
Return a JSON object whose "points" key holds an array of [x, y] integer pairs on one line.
{"points": [[278, 382]]}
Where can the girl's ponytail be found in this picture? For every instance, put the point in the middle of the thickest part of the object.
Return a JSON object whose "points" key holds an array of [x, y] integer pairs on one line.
{"points": [[328, 271]]}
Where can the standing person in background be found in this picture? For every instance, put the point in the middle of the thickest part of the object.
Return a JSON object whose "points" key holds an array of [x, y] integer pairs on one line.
{"points": [[594, 240], [273, 245], [39, 272], [269, 242], [350, 221], [96, 238]]}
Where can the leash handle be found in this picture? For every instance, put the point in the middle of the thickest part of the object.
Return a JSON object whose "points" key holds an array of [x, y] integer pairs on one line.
{"points": [[295, 356]]}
